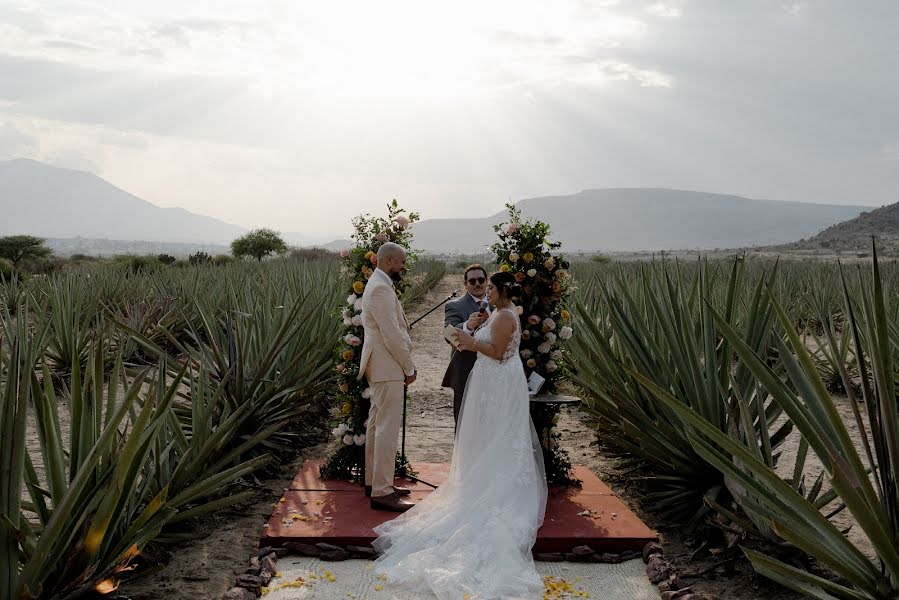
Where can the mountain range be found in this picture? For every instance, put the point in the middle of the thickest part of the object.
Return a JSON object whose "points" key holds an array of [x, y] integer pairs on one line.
{"points": [[52, 202]]}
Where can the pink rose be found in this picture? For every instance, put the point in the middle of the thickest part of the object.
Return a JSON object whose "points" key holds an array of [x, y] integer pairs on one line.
{"points": [[533, 319], [402, 221], [512, 228], [341, 368], [344, 253], [344, 387], [381, 237]]}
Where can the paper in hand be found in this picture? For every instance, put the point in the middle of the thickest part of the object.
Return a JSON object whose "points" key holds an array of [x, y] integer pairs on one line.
{"points": [[450, 333]]}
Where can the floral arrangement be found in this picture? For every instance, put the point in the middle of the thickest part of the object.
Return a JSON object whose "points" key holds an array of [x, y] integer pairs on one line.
{"points": [[349, 414], [524, 249]]}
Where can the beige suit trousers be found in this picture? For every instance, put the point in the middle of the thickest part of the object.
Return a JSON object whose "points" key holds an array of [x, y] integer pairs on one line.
{"points": [[384, 419]]}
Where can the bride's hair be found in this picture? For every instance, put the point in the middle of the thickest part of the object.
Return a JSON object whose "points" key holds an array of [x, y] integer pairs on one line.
{"points": [[505, 284]]}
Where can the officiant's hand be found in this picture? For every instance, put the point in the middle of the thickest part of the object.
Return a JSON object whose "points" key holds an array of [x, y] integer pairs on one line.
{"points": [[476, 320], [410, 379], [466, 341]]}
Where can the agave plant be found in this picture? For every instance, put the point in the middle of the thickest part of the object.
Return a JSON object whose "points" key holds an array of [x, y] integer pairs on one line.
{"points": [[864, 479], [666, 334]]}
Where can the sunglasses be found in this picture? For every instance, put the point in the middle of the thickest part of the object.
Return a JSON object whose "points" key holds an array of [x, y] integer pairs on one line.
{"points": [[476, 280]]}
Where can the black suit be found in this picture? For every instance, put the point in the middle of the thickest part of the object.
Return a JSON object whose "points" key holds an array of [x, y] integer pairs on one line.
{"points": [[456, 313]]}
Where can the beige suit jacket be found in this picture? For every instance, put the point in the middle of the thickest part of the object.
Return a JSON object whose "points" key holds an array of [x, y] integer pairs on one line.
{"points": [[387, 349]]}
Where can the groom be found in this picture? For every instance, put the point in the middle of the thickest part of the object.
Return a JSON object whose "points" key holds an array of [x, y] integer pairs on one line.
{"points": [[466, 313], [387, 365]]}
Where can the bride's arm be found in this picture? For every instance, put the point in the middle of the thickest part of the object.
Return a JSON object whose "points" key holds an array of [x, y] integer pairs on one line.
{"points": [[501, 332]]}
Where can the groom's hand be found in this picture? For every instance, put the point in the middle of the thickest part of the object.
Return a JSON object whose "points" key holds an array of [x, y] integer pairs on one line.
{"points": [[410, 379], [475, 320]]}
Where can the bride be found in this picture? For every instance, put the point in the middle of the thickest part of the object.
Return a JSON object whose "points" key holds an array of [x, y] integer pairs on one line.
{"points": [[472, 537]]}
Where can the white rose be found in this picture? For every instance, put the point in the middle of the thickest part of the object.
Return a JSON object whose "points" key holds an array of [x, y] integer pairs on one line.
{"points": [[366, 393], [336, 432], [532, 272], [552, 367], [513, 257], [358, 303], [544, 348], [519, 310], [551, 338], [357, 320], [556, 355], [351, 299], [347, 313], [348, 440], [348, 321], [566, 332], [526, 354], [359, 440], [550, 263], [549, 324], [341, 429]]}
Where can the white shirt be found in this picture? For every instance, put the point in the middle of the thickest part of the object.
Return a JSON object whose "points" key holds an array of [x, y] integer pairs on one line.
{"points": [[478, 300]]}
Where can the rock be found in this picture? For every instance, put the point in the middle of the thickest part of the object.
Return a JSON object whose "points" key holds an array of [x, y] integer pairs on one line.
{"points": [[335, 555], [362, 551], [658, 569], [582, 550], [255, 568], [550, 557], [252, 583], [677, 594], [263, 551], [630, 555], [651, 549], [269, 564], [327, 547], [238, 593], [607, 557], [303, 549]]}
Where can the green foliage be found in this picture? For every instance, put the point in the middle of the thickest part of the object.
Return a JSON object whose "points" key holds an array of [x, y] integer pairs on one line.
{"points": [[258, 244], [199, 258], [350, 411], [220, 260], [17, 247], [166, 259], [6, 268]]}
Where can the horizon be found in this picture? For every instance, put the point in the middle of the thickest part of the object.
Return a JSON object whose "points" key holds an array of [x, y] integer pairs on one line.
{"points": [[271, 114]]}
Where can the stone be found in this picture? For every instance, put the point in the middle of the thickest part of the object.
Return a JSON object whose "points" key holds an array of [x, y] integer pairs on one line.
{"points": [[677, 594], [269, 564], [362, 552], [252, 583], [334, 555], [327, 547], [630, 555], [582, 550], [550, 557], [303, 549], [650, 549], [255, 568], [657, 569], [238, 593], [263, 551]]}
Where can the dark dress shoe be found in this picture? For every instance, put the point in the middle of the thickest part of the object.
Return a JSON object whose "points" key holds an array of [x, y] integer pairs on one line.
{"points": [[398, 490], [391, 502]]}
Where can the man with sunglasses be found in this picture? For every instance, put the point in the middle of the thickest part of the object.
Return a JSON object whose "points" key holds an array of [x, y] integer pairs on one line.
{"points": [[467, 314]]}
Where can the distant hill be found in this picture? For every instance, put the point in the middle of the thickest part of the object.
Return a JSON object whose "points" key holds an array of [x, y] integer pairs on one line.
{"points": [[855, 234], [39, 199], [634, 219]]}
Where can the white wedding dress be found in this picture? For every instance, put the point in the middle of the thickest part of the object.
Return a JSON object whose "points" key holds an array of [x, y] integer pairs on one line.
{"points": [[472, 536]]}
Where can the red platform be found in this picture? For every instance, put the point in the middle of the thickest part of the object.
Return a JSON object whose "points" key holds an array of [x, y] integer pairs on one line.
{"points": [[315, 510]]}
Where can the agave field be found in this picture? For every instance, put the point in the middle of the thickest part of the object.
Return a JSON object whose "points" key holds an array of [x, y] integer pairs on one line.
{"points": [[131, 403], [700, 373]]}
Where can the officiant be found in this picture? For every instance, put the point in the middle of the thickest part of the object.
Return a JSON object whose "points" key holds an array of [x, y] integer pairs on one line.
{"points": [[467, 314]]}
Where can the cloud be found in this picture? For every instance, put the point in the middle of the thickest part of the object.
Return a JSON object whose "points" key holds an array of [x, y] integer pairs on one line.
{"points": [[662, 9]]}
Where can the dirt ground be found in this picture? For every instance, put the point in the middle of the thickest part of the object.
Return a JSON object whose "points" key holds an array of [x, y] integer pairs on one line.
{"points": [[205, 567]]}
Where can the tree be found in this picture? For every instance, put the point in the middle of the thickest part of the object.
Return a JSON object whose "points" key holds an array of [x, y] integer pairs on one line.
{"points": [[259, 243], [17, 247]]}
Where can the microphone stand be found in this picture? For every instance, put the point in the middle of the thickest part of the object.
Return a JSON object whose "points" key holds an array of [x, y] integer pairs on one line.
{"points": [[406, 391]]}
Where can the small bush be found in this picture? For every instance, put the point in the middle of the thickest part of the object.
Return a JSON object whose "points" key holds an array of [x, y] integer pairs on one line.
{"points": [[166, 259], [313, 254], [6, 268], [138, 264], [200, 258], [221, 260], [600, 258]]}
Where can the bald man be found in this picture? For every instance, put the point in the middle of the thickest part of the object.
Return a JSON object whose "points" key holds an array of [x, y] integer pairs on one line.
{"points": [[387, 365]]}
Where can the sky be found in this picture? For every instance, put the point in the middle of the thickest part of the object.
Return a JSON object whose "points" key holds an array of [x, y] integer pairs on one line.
{"points": [[299, 115]]}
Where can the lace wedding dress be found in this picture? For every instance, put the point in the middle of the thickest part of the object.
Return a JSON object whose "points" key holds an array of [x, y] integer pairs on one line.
{"points": [[472, 536]]}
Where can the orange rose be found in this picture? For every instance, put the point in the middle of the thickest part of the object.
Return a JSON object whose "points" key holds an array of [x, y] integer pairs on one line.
{"points": [[519, 277], [358, 287], [348, 354], [528, 257]]}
